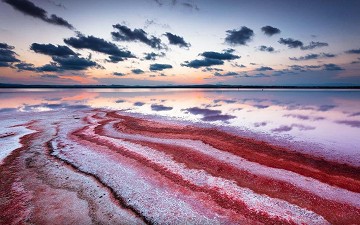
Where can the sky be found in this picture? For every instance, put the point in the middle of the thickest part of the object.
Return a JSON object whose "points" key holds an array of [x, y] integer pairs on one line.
{"points": [[177, 42]]}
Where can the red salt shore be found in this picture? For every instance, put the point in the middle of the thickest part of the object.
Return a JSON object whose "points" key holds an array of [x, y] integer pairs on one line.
{"points": [[110, 168]]}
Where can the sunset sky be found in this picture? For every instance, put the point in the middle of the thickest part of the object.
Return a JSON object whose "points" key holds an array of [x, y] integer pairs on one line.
{"points": [[170, 42]]}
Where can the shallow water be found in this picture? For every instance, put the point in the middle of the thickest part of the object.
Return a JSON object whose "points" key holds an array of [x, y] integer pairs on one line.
{"points": [[161, 156], [326, 118]]}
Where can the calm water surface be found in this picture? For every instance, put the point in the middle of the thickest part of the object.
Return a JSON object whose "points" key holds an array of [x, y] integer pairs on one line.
{"points": [[328, 119]]}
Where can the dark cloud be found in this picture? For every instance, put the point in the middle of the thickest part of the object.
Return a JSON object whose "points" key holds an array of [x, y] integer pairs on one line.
{"points": [[228, 74], [304, 68], [126, 34], [6, 46], [197, 63], [153, 55], [137, 71], [270, 31], [119, 74], [30, 9], [264, 68], [99, 45], [313, 45], [291, 43], [264, 48], [229, 50], [52, 67], [209, 114], [220, 56], [353, 51], [351, 123], [209, 69], [7, 56], [25, 66], [177, 40], [51, 76], [74, 63], [239, 37], [313, 56], [52, 50], [160, 67], [156, 107], [332, 67]]}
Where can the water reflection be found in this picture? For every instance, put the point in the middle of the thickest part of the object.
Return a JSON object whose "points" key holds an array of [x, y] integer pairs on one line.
{"points": [[330, 118]]}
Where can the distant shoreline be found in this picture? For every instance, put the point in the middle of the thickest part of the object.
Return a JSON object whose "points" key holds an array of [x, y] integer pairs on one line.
{"points": [[6, 86]]}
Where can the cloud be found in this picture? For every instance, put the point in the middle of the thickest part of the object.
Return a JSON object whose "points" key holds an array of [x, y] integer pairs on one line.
{"points": [[51, 67], [209, 69], [332, 67], [74, 63], [239, 37], [99, 45], [51, 76], [313, 56], [237, 65], [197, 63], [156, 107], [126, 34], [52, 50], [304, 68], [137, 71], [7, 56], [6, 46], [228, 74], [187, 4], [25, 66], [353, 51], [160, 67], [270, 31], [209, 114], [177, 40], [59, 64], [220, 56], [190, 5], [264, 68], [119, 74], [153, 55], [291, 43], [313, 45], [264, 48], [30, 9], [211, 59]]}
